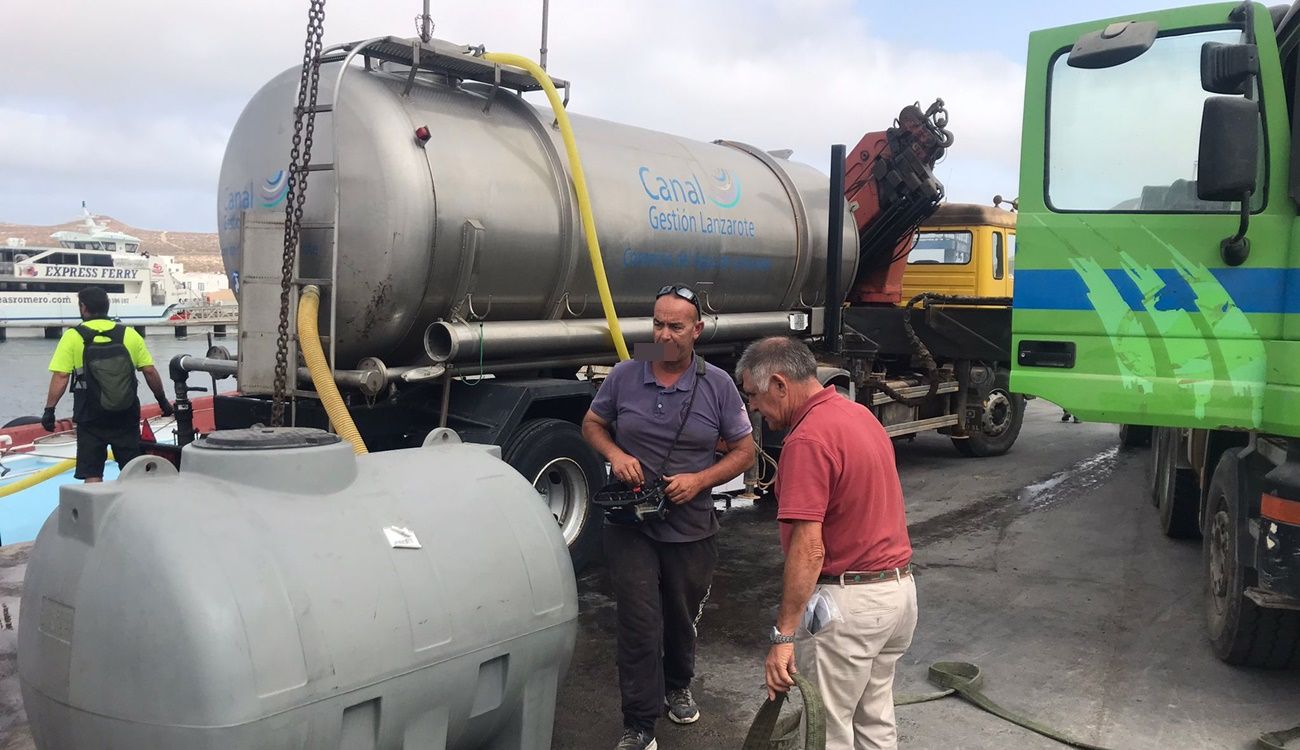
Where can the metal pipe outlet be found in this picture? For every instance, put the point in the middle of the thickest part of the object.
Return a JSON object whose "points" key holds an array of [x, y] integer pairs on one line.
{"points": [[370, 382], [546, 339]]}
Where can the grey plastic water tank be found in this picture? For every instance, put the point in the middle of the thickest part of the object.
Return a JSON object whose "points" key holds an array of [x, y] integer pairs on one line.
{"points": [[282, 593]]}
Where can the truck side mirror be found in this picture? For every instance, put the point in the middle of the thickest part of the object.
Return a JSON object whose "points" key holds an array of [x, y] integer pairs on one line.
{"points": [[1228, 163], [1229, 150], [1114, 45], [1227, 68]]}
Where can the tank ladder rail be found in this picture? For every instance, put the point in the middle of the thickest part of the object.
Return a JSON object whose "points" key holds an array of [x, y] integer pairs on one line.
{"points": [[348, 53], [343, 53]]}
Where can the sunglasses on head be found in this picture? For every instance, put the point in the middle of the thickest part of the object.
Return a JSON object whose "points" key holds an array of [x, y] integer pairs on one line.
{"points": [[683, 292]]}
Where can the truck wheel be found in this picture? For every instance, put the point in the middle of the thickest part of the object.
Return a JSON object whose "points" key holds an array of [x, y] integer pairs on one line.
{"points": [[1173, 489], [1241, 631], [1004, 413], [565, 471], [1134, 435], [1154, 463]]}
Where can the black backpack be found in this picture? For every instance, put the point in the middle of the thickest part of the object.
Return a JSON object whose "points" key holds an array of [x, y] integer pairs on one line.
{"points": [[105, 386]]}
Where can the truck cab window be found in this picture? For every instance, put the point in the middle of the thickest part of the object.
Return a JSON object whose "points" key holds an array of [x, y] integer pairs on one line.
{"points": [[1126, 138], [941, 247], [997, 256]]}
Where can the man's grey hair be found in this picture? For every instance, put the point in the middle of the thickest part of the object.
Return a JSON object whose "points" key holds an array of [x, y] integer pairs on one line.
{"points": [[776, 354]]}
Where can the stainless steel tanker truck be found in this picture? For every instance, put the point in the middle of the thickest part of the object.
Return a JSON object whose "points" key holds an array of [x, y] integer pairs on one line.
{"points": [[442, 228]]}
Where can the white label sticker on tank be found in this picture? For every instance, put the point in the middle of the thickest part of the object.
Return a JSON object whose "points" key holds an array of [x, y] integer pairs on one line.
{"points": [[401, 537]]}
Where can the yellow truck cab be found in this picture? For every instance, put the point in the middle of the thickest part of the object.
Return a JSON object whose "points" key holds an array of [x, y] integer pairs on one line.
{"points": [[963, 249]]}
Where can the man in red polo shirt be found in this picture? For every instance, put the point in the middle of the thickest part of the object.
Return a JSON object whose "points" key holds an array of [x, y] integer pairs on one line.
{"points": [[848, 605]]}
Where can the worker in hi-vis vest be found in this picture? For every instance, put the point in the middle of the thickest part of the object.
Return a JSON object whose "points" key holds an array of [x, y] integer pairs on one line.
{"points": [[100, 357]]}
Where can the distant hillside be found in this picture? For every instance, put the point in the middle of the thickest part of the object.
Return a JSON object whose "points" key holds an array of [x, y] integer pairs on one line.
{"points": [[199, 251]]}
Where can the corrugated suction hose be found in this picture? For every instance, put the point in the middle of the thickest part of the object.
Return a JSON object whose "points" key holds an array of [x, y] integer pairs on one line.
{"points": [[771, 731], [321, 377], [579, 185], [966, 680]]}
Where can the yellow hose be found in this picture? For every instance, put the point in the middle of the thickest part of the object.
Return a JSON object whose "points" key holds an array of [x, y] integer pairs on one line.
{"points": [[579, 184], [48, 472], [323, 380]]}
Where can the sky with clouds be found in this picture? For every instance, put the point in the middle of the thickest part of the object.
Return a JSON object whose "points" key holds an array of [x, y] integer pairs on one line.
{"points": [[127, 104]]}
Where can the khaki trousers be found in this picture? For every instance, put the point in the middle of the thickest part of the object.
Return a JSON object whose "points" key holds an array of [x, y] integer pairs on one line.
{"points": [[852, 661]]}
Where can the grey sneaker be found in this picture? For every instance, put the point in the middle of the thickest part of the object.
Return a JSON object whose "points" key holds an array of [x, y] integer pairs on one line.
{"points": [[681, 706], [636, 739]]}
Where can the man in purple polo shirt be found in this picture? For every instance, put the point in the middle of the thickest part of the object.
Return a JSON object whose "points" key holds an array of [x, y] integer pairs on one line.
{"points": [[661, 570]]}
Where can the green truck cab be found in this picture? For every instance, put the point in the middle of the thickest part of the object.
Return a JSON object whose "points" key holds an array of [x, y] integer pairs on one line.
{"points": [[1159, 283]]}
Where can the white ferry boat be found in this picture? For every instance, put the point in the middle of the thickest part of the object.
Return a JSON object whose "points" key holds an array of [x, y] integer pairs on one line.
{"points": [[39, 285]]}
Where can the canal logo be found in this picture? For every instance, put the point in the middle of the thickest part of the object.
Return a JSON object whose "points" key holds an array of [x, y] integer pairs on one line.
{"points": [[723, 189], [273, 189]]}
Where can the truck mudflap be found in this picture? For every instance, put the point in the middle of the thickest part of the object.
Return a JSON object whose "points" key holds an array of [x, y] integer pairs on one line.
{"points": [[1277, 545], [1278, 553]]}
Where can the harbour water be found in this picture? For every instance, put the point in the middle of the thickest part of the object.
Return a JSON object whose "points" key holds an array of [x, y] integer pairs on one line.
{"points": [[25, 375]]}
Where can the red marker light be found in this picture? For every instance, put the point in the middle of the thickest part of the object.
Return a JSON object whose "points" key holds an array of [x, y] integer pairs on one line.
{"points": [[422, 134]]}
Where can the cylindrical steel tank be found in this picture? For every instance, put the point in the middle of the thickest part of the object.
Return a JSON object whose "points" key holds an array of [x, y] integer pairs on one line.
{"points": [[482, 220], [280, 592]]}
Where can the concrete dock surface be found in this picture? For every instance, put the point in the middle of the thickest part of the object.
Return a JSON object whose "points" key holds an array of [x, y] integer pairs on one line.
{"points": [[1046, 567]]}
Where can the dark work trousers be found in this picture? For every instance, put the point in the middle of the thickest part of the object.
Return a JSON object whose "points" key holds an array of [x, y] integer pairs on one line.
{"points": [[94, 440], [660, 589]]}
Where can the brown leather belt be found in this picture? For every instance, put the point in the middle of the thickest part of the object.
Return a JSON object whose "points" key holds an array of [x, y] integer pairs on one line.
{"points": [[850, 577]]}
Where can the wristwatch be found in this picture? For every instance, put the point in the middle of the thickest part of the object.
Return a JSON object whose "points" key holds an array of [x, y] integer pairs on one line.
{"points": [[777, 637]]}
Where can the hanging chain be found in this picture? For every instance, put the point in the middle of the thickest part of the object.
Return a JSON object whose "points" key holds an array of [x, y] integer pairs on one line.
{"points": [[299, 163]]}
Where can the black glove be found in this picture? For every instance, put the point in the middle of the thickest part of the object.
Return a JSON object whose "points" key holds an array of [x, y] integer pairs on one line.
{"points": [[166, 406], [47, 419]]}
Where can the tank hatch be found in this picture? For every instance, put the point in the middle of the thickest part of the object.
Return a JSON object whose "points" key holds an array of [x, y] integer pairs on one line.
{"points": [[266, 438]]}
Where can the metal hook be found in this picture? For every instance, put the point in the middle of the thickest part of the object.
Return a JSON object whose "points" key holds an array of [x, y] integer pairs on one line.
{"points": [[496, 84], [415, 67], [555, 123], [473, 314], [817, 300], [707, 304], [569, 309]]}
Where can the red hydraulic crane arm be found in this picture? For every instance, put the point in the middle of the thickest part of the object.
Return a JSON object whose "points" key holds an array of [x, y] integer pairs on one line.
{"points": [[890, 185]]}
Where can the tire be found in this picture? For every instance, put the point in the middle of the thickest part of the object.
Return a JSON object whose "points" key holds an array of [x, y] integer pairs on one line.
{"points": [[1240, 631], [1134, 435], [1154, 463], [1004, 415], [1174, 489], [553, 457]]}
